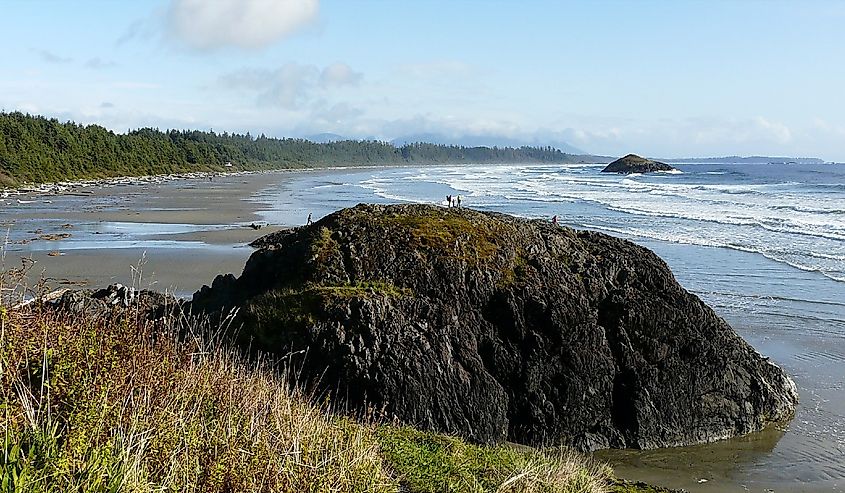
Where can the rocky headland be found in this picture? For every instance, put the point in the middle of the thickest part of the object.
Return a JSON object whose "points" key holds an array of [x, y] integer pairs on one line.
{"points": [[499, 329], [635, 164]]}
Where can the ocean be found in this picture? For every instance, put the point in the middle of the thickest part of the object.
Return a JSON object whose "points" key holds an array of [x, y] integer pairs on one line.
{"points": [[764, 245]]}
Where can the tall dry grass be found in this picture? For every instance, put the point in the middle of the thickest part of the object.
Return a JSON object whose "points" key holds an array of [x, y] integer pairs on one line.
{"points": [[131, 407], [120, 404]]}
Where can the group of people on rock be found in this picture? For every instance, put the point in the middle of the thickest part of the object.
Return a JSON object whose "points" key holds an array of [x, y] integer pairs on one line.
{"points": [[453, 200]]}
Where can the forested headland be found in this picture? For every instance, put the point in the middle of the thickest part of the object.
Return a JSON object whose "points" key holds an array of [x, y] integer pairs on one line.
{"points": [[35, 149]]}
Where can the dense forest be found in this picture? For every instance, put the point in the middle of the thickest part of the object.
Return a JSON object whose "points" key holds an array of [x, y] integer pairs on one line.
{"points": [[35, 149]]}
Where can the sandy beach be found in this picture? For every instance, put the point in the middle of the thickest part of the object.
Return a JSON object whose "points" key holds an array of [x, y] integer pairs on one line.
{"points": [[174, 235]]}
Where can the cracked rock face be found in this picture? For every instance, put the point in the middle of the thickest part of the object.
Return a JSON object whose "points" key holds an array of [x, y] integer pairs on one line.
{"points": [[498, 328]]}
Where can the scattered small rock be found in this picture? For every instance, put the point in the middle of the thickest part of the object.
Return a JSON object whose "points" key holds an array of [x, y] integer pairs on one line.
{"points": [[116, 299], [53, 236]]}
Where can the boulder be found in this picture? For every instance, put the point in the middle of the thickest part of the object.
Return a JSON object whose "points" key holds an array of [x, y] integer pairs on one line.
{"points": [[498, 328], [635, 164], [114, 301]]}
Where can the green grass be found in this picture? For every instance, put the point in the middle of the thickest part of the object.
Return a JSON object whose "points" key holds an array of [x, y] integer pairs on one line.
{"points": [[622, 486], [428, 462], [471, 238], [323, 246], [517, 273], [366, 289]]}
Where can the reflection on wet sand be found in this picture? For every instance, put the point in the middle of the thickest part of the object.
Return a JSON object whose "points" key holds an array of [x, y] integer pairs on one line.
{"points": [[715, 465]]}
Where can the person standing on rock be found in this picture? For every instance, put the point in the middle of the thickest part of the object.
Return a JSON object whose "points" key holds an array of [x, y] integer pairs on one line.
{"points": [[459, 201], [554, 219], [308, 222], [449, 200]]}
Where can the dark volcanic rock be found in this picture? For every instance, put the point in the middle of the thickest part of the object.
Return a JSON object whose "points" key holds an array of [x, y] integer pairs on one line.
{"points": [[499, 328], [116, 300], [272, 238], [635, 164]]}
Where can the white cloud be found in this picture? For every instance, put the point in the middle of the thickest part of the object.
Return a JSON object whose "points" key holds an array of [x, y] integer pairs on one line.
{"points": [[134, 85], [213, 24], [97, 63], [719, 131], [50, 57], [824, 126], [141, 29], [292, 85], [339, 74], [776, 130]]}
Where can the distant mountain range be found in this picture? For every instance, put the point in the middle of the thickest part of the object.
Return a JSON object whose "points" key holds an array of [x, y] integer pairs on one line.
{"points": [[501, 142], [482, 141], [325, 138], [465, 141]]}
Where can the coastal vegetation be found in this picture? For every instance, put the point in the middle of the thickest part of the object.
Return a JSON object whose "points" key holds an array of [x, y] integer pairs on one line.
{"points": [[35, 149], [122, 405]]}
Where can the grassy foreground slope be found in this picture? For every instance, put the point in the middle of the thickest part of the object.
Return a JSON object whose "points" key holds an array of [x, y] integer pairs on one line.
{"points": [[121, 406], [34, 149]]}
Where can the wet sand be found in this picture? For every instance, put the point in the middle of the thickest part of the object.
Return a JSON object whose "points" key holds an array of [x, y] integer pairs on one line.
{"points": [[180, 272], [173, 236]]}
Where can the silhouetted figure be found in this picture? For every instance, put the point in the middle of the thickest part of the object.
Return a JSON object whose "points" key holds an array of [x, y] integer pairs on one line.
{"points": [[308, 222], [449, 200], [459, 200], [554, 220]]}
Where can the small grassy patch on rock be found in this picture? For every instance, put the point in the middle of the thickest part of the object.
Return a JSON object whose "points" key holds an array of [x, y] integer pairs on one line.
{"points": [[365, 289], [466, 234], [428, 462]]}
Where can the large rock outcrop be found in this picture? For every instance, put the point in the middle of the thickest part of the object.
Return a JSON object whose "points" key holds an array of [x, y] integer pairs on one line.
{"points": [[635, 164], [499, 328]]}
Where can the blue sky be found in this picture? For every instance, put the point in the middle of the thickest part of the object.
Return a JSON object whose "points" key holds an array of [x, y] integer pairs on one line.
{"points": [[664, 79]]}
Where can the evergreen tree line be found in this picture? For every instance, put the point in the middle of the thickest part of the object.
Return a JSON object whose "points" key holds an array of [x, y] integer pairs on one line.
{"points": [[35, 149]]}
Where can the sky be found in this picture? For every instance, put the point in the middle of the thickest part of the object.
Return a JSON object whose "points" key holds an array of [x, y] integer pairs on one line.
{"points": [[657, 78]]}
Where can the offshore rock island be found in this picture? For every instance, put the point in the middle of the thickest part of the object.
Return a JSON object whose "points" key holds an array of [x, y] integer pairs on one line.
{"points": [[498, 329], [635, 164]]}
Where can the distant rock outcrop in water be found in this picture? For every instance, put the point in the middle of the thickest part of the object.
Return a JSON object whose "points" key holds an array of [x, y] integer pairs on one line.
{"points": [[499, 328], [635, 164]]}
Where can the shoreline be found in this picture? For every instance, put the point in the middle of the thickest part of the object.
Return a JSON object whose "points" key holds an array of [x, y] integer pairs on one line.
{"points": [[66, 187]]}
